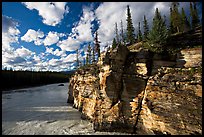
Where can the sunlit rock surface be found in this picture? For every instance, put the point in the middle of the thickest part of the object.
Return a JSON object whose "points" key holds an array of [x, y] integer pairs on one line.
{"points": [[172, 103], [129, 92], [190, 57]]}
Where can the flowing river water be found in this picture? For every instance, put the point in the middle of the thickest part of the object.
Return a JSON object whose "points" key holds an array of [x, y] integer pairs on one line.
{"points": [[43, 111]]}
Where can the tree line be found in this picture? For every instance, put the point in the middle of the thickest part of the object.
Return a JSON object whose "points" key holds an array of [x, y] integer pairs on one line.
{"points": [[154, 38], [92, 55], [18, 79]]}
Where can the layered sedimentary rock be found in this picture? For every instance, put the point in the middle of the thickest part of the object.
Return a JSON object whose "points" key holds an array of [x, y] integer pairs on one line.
{"points": [[172, 103], [83, 90], [118, 94], [189, 58]]}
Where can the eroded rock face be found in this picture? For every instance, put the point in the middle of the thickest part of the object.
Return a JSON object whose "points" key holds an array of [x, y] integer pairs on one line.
{"points": [[108, 104], [83, 90], [172, 103], [189, 58], [116, 96]]}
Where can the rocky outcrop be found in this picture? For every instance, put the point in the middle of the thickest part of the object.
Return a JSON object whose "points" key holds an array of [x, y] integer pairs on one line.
{"points": [[122, 92], [189, 58], [83, 90], [172, 103], [190, 38]]}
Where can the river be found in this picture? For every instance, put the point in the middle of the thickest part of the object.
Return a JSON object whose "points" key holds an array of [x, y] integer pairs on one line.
{"points": [[43, 111]]}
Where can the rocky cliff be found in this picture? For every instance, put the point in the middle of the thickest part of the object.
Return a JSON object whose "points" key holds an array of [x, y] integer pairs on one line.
{"points": [[137, 92]]}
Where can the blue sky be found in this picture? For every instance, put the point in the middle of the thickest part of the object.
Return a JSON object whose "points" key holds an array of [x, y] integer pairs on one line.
{"points": [[44, 36]]}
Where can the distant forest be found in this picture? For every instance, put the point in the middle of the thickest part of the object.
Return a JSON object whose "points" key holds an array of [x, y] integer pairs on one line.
{"points": [[20, 79]]}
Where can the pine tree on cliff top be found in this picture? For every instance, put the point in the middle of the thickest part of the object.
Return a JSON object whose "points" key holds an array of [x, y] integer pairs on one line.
{"points": [[77, 59], [158, 34], [97, 45], [194, 15], [116, 34], [185, 23], [139, 36], [89, 54], [114, 44], [146, 28], [130, 29], [93, 55], [176, 17], [122, 33], [172, 29]]}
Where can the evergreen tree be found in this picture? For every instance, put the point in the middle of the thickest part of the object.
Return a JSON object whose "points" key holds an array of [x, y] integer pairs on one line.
{"points": [[158, 35], [89, 54], [194, 15], [93, 55], [77, 59], [122, 33], [116, 34], [176, 17], [97, 45], [130, 29], [172, 29], [185, 22], [146, 28], [84, 61], [139, 36], [87, 59], [114, 44]]}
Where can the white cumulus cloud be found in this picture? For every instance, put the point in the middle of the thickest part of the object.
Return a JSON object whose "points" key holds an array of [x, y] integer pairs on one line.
{"points": [[69, 58], [10, 35], [23, 52], [33, 36], [51, 12], [84, 27], [80, 33], [51, 38], [58, 52], [69, 44]]}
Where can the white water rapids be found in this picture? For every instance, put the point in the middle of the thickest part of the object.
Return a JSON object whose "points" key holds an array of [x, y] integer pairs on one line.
{"points": [[43, 111]]}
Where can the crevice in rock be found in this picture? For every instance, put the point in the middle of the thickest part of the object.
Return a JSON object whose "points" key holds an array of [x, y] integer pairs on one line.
{"points": [[150, 63], [140, 108]]}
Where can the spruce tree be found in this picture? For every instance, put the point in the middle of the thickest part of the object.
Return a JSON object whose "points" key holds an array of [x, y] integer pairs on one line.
{"points": [[116, 34], [194, 15], [172, 29], [185, 23], [146, 28], [89, 53], [87, 59], [130, 29], [158, 35], [97, 45], [114, 44], [139, 36], [93, 55], [122, 33], [84, 61], [77, 58], [176, 17]]}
